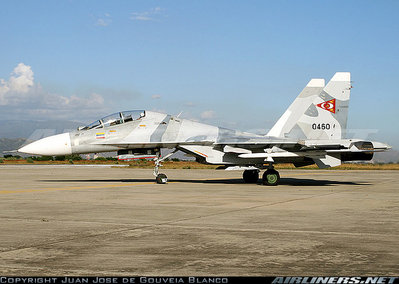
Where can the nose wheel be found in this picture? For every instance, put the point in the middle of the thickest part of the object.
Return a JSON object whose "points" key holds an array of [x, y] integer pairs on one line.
{"points": [[161, 179], [271, 177]]}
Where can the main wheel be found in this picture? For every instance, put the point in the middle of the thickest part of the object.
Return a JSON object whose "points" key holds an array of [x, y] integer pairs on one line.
{"points": [[271, 177], [161, 179], [250, 176]]}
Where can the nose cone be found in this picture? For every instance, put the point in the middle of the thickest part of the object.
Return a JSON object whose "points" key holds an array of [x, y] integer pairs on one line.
{"points": [[50, 146]]}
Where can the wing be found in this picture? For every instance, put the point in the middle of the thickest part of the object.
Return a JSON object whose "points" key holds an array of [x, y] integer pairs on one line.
{"points": [[325, 153]]}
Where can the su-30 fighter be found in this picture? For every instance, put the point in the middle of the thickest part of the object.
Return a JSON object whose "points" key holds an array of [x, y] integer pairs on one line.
{"points": [[310, 131]]}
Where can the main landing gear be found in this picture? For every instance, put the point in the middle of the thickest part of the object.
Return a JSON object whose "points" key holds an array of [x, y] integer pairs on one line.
{"points": [[270, 176], [251, 176], [159, 177]]}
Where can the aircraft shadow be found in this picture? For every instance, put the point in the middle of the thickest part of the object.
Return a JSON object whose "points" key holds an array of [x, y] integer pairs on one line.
{"points": [[283, 181], [99, 180], [317, 182]]}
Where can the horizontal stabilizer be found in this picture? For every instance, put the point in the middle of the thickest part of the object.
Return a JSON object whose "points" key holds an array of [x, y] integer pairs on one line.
{"points": [[327, 162]]}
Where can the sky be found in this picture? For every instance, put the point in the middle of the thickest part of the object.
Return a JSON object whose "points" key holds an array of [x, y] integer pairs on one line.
{"points": [[236, 64]]}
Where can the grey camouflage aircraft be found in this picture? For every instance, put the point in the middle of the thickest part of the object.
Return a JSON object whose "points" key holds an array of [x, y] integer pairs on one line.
{"points": [[311, 130]]}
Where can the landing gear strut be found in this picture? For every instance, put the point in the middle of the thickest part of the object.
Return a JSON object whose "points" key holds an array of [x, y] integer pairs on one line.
{"points": [[251, 176], [161, 178], [271, 176]]}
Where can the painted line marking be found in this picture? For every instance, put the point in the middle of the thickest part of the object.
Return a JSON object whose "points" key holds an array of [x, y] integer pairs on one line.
{"points": [[72, 188], [302, 174]]}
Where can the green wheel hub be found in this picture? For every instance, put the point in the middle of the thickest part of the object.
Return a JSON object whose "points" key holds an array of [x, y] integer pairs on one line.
{"points": [[272, 178]]}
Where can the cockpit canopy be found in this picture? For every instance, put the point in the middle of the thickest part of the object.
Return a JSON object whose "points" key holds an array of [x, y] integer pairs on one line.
{"points": [[114, 119]]}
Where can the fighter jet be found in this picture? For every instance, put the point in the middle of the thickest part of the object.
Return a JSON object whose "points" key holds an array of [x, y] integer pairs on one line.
{"points": [[311, 131]]}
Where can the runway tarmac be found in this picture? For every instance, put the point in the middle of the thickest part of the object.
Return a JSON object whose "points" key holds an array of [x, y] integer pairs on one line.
{"points": [[69, 220]]}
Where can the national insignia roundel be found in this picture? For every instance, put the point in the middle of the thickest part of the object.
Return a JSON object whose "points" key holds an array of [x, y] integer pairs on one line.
{"points": [[328, 105]]}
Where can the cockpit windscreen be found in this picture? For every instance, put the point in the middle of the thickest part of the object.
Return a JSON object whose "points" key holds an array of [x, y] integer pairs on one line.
{"points": [[116, 118]]}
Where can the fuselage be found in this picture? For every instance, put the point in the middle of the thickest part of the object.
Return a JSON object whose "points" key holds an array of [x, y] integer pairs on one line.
{"points": [[138, 130]]}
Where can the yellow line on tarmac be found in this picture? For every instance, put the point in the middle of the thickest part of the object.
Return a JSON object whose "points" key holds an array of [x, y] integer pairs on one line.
{"points": [[304, 174], [70, 188]]}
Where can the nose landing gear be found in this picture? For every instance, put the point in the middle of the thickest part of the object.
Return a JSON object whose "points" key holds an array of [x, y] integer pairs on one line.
{"points": [[159, 177]]}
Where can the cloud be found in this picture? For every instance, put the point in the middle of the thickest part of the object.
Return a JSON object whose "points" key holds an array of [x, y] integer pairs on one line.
{"points": [[17, 86], [208, 114], [149, 15], [156, 97], [21, 97], [104, 20], [21, 79]]}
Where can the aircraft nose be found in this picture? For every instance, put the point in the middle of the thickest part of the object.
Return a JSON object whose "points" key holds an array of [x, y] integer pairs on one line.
{"points": [[50, 146]]}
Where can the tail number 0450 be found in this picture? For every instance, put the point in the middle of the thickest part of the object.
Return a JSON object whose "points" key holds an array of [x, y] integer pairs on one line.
{"points": [[321, 126]]}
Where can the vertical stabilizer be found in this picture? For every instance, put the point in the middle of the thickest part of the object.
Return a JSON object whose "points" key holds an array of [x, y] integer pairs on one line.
{"points": [[322, 115], [288, 120]]}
